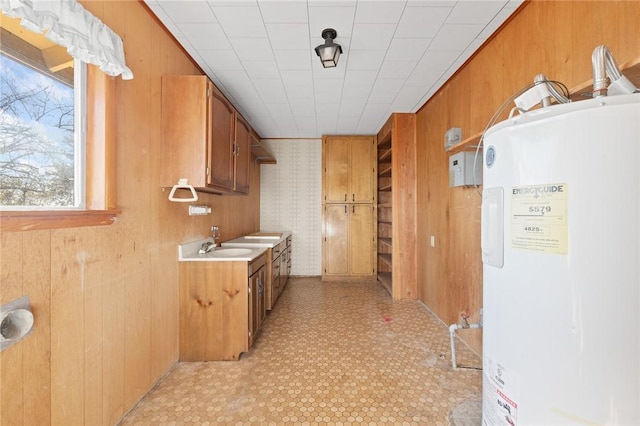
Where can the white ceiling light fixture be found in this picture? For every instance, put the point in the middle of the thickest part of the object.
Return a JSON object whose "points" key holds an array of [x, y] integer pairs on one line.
{"points": [[329, 52]]}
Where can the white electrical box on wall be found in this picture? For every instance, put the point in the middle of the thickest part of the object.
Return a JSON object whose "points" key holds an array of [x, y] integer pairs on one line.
{"points": [[461, 169]]}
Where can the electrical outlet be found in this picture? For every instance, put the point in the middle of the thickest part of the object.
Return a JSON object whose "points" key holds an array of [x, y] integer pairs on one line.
{"points": [[433, 241]]}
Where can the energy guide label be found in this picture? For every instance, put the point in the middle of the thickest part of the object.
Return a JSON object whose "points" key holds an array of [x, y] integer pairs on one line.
{"points": [[539, 218]]}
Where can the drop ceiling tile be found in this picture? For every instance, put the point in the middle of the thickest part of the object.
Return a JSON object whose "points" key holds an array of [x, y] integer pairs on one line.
{"points": [[188, 11], [432, 3], [421, 22], [407, 49], [234, 78], [220, 59], [455, 37], [297, 77], [303, 107], [396, 69], [378, 12], [328, 124], [305, 121], [332, 3], [385, 89], [372, 36], [424, 78], [474, 12], [353, 106], [407, 98], [261, 69], [346, 126], [240, 21], [437, 59], [339, 18], [252, 49], [293, 59], [231, 2], [299, 92], [283, 11], [366, 59], [270, 90], [360, 78], [205, 36], [288, 36], [356, 92]]}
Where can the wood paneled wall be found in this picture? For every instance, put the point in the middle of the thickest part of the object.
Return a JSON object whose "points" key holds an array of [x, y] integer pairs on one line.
{"points": [[551, 37], [105, 299]]}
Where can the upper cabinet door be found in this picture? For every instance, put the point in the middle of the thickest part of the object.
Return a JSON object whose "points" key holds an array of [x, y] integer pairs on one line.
{"points": [[221, 144], [363, 166], [336, 169], [184, 130], [242, 155], [349, 169]]}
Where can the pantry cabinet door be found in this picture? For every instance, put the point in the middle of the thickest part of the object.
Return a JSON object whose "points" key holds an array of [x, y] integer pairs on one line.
{"points": [[335, 241], [361, 239]]}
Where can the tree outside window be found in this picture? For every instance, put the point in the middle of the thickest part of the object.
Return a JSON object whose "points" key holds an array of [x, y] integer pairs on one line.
{"points": [[36, 138]]}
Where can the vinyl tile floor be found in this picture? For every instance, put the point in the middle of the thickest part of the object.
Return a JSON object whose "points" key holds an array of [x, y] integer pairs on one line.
{"points": [[328, 354]]}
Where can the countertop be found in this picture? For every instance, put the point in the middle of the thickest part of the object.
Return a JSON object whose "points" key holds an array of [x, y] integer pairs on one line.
{"points": [[254, 240]]}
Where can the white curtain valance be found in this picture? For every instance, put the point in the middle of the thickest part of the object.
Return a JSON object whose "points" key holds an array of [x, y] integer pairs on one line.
{"points": [[70, 25]]}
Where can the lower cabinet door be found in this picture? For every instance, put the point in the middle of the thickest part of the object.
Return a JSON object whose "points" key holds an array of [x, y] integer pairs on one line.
{"points": [[349, 243], [336, 239]]}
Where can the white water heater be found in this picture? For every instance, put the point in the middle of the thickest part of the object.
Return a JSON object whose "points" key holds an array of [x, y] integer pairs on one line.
{"points": [[561, 265]]}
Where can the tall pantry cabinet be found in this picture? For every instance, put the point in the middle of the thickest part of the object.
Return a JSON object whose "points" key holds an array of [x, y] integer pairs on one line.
{"points": [[349, 171]]}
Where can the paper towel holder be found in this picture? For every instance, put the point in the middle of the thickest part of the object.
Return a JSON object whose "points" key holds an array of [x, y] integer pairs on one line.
{"points": [[183, 184], [16, 322]]}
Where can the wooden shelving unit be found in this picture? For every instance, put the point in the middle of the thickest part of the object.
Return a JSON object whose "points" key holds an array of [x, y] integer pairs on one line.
{"points": [[396, 206]]}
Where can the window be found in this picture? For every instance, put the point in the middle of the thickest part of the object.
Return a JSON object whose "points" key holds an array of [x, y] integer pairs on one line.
{"points": [[41, 137], [50, 177]]}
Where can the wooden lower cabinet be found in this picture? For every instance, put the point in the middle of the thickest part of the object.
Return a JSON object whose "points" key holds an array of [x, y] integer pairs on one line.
{"points": [[349, 242], [222, 308]]}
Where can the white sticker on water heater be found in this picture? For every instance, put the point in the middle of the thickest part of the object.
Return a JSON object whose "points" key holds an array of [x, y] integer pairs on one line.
{"points": [[539, 218]]}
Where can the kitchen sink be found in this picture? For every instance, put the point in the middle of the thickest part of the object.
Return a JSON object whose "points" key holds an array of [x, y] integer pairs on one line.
{"points": [[189, 252], [228, 252]]}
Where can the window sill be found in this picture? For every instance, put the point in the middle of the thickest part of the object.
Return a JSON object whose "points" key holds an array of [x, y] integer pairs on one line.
{"points": [[53, 219]]}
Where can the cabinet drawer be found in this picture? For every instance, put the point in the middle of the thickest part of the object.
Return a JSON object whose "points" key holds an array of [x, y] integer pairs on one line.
{"points": [[257, 264]]}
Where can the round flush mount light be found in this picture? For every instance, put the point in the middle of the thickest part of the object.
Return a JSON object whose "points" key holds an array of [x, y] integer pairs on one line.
{"points": [[329, 52]]}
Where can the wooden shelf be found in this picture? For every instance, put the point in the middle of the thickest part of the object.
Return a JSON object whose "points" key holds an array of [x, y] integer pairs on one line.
{"points": [[384, 205], [386, 258], [630, 69], [385, 241], [261, 153], [384, 278], [385, 187], [468, 144], [384, 169], [384, 155]]}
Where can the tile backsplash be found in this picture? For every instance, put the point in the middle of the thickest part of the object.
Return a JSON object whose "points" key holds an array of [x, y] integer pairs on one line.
{"points": [[291, 199]]}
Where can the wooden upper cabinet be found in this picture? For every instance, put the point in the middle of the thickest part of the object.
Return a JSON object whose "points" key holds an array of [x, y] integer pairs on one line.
{"points": [[221, 143], [185, 130], [204, 138], [242, 154], [349, 169]]}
